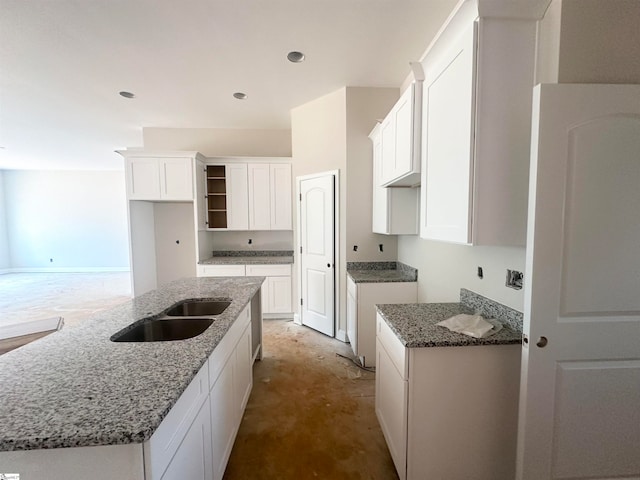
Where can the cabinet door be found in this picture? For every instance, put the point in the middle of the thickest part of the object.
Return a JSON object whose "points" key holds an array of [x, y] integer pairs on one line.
{"points": [[380, 199], [391, 408], [449, 144], [176, 178], [243, 378], [388, 149], [259, 196], [237, 197], [143, 179], [280, 189], [193, 459], [279, 294], [223, 417], [352, 319], [403, 118]]}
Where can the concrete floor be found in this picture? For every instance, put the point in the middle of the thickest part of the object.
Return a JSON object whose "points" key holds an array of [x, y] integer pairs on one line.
{"points": [[310, 415]]}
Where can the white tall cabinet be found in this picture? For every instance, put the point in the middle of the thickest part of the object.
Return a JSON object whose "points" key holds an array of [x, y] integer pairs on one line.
{"points": [[270, 196], [161, 211], [479, 76]]}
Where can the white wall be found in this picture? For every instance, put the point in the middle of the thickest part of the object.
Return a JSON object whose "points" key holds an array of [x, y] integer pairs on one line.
{"points": [[220, 142], [5, 254], [175, 243], [77, 219], [260, 240]]}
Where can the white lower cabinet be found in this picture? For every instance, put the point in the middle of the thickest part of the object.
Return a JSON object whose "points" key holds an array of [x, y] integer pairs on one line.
{"points": [[276, 289], [194, 459], [195, 439], [361, 312], [448, 412]]}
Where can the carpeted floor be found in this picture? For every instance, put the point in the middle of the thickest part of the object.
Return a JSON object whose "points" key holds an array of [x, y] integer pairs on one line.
{"points": [[310, 415]]}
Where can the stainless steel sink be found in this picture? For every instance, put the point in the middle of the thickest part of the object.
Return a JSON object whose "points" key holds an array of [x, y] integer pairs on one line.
{"points": [[163, 330], [198, 308]]}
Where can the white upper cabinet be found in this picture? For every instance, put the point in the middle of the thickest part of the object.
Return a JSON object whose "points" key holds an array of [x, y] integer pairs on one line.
{"points": [[269, 196], [254, 196], [395, 210], [237, 196], [280, 184], [151, 178], [400, 137], [478, 87]]}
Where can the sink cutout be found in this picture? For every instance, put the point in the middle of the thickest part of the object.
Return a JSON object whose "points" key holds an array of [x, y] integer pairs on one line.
{"points": [[197, 308], [164, 330]]}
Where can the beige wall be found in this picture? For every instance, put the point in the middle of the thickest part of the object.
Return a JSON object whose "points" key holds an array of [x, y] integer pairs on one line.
{"points": [[220, 142], [318, 143], [331, 133], [600, 41], [364, 106]]}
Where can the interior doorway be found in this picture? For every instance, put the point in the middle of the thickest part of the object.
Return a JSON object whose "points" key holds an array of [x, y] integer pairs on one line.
{"points": [[317, 234]]}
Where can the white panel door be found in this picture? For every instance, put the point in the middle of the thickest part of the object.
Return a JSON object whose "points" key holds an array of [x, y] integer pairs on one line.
{"points": [[259, 197], [176, 178], [317, 257], [237, 196], [280, 187], [580, 382]]}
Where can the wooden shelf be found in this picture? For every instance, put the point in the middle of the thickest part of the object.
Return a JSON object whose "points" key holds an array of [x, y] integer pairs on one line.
{"points": [[216, 196]]}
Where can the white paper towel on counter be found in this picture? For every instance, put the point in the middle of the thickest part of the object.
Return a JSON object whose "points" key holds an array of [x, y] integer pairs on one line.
{"points": [[473, 325]]}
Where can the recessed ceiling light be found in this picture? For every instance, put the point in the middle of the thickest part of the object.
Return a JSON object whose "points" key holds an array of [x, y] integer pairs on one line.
{"points": [[127, 94], [240, 96], [295, 57]]}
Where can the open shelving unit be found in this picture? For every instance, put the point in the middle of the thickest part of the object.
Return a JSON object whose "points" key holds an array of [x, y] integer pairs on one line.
{"points": [[216, 196]]}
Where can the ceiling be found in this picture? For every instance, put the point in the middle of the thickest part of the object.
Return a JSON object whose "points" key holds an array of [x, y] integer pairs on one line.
{"points": [[63, 62]]}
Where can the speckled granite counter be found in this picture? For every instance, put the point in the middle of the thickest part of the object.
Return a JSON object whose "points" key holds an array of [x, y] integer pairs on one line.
{"points": [[250, 257], [77, 388], [381, 272], [415, 323]]}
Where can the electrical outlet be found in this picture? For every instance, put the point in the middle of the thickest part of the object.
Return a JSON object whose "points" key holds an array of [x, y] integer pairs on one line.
{"points": [[480, 273], [514, 279]]}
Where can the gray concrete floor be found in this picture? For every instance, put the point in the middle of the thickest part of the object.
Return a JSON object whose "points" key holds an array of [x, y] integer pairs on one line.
{"points": [[311, 413]]}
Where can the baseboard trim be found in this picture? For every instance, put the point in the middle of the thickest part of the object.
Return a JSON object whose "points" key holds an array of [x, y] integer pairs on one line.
{"points": [[31, 326], [297, 319], [65, 270], [273, 316], [342, 336]]}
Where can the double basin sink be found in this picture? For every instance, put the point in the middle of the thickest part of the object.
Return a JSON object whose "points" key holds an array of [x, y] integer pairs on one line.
{"points": [[184, 320]]}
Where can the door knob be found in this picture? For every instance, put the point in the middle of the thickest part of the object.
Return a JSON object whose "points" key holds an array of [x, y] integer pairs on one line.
{"points": [[542, 342]]}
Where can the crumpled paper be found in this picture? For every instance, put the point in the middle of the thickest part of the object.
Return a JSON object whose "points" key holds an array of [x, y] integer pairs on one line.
{"points": [[473, 325]]}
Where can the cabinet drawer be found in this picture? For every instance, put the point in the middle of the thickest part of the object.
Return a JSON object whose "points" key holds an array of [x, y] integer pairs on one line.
{"points": [[162, 445], [225, 348], [269, 270], [221, 270], [396, 351]]}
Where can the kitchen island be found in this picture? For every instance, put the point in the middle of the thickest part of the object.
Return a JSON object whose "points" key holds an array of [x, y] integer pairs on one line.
{"points": [[77, 405]]}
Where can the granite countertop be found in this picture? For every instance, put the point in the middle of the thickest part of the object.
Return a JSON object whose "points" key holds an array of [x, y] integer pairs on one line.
{"points": [[249, 257], [415, 323], [77, 388], [381, 272]]}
